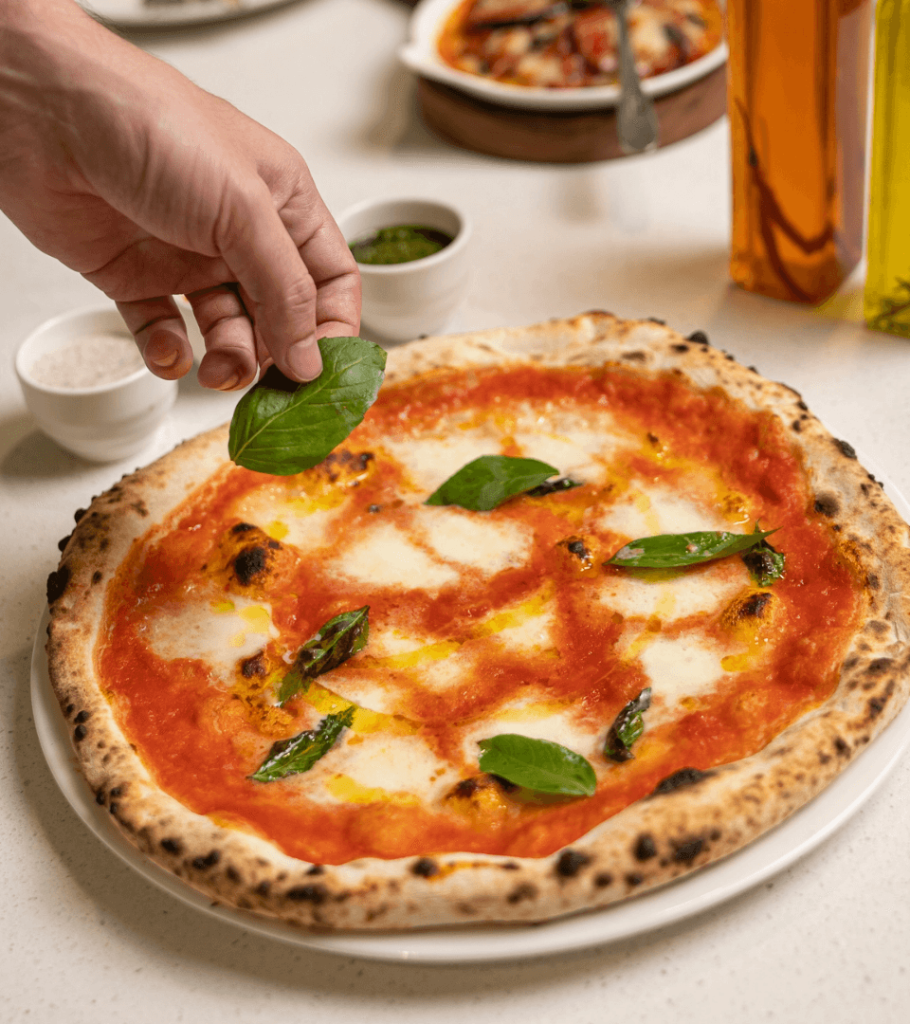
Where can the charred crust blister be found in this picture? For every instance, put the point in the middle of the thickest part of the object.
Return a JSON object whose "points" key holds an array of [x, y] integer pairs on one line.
{"points": [[57, 582], [681, 779], [645, 848], [314, 893], [425, 867], [570, 862]]}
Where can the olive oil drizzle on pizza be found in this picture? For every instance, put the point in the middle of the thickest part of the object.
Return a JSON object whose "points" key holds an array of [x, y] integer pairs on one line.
{"points": [[482, 623]]}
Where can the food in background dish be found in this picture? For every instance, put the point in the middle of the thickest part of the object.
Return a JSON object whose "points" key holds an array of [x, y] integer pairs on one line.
{"points": [[570, 44]]}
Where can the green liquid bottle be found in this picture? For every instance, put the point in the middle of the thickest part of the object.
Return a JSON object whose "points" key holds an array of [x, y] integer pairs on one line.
{"points": [[886, 303]]}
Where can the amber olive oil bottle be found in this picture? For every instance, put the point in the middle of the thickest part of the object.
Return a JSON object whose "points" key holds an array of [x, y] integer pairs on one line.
{"points": [[797, 76]]}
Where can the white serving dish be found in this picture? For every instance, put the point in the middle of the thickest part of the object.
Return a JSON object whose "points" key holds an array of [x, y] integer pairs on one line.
{"points": [[102, 423], [421, 55]]}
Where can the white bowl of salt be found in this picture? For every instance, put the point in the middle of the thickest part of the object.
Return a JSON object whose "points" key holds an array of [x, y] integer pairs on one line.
{"points": [[87, 386]]}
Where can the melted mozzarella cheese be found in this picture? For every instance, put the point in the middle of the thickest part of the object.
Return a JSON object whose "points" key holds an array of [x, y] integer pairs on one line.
{"points": [[220, 633], [651, 509], [680, 669], [472, 539], [378, 766], [385, 556], [539, 720], [432, 461], [689, 593]]}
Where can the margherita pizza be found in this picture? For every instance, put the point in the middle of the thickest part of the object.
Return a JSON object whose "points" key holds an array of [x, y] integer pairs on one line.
{"points": [[370, 695]]}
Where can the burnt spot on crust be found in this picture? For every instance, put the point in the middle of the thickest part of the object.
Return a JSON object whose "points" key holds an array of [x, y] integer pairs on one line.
{"points": [[878, 666], [316, 869], [633, 879], [97, 577], [845, 448], [57, 582], [242, 528], [603, 879], [679, 348], [314, 893], [172, 846], [827, 505], [699, 337], [83, 716], [61, 544], [425, 867], [657, 320], [523, 891], [645, 847], [79, 733], [686, 850], [680, 780], [570, 862], [841, 746], [634, 357], [877, 704], [206, 862]]}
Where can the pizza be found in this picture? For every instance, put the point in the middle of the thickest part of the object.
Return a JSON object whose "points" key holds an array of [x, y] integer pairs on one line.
{"points": [[341, 698], [562, 45]]}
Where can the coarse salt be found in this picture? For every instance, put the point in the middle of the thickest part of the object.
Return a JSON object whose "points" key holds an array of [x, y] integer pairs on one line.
{"points": [[88, 362]]}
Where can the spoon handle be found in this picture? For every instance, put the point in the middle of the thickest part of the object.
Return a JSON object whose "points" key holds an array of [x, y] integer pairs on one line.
{"points": [[636, 117]]}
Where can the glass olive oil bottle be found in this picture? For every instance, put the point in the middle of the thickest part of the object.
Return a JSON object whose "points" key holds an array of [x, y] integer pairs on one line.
{"points": [[797, 79], [886, 304]]}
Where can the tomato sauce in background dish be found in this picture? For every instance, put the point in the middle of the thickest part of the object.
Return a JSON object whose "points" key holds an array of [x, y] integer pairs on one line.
{"points": [[565, 45]]}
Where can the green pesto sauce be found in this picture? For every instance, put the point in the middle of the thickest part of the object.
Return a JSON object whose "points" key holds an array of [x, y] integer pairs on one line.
{"points": [[402, 243]]}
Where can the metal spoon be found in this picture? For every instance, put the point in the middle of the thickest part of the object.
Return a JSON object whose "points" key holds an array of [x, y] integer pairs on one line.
{"points": [[636, 118]]}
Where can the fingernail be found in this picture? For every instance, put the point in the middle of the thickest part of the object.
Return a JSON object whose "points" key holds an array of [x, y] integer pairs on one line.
{"points": [[162, 351], [304, 360]]}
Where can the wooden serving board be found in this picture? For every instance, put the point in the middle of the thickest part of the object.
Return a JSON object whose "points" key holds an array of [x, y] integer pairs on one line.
{"points": [[564, 137]]}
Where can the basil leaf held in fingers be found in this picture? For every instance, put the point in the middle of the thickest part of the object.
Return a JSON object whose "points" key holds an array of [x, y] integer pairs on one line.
{"points": [[299, 753], [537, 764], [282, 427], [339, 639], [675, 550], [765, 564], [490, 480], [627, 727]]}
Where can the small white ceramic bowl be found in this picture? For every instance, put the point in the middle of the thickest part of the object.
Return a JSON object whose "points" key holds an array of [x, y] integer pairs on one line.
{"points": [[103, 422], [402, 301]]}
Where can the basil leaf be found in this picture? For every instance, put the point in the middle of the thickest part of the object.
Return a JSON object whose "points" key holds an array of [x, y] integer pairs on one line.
{"points": [[627, 727], [538, 764], [301, 752], [671, 550], [339, 639], [564, 483], [490, 480], [281, 427], [765, 564]]}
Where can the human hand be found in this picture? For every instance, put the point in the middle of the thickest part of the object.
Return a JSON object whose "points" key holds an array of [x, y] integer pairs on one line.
{"points": [[120, 167]]}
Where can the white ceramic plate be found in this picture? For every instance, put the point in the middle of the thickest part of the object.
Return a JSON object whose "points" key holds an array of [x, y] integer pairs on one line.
{"points": [[706, 888], [421, 56], [139, 14]]}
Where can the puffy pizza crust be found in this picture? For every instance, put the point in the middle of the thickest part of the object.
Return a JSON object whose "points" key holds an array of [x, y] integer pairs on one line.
{"points": [[692, 818]]}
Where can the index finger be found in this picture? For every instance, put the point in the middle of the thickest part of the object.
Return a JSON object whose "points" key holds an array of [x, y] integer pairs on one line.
{"points": [[290, 292]]}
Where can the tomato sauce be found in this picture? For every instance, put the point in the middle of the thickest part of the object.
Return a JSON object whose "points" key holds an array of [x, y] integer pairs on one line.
{"points": [[202, 740]]}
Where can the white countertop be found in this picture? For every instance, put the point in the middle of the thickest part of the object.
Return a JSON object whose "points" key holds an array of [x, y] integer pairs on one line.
{"points": [[86, 939]]}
